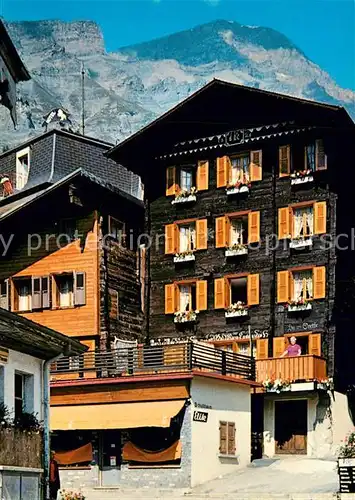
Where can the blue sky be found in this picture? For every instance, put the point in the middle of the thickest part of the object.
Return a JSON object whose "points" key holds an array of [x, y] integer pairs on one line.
{"points": [[323, 29]]}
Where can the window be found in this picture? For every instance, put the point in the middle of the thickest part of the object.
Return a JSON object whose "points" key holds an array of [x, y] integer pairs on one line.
{"points": [[238, 228], [284, 160], [65, 286], [4, 294], [70, 289], [310, 343], [244, 168], [31, 293], [314, 156], [232, 289], [186, 296], [186, 236], [238, 347], [185, 177], [19, 394], [22, 167], [310, 157], [23, 294], [302, 284], [117, 230], [227, 438], [301, 221]]}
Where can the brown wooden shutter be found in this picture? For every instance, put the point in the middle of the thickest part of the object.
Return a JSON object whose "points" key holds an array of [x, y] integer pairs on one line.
{"points": [[171, 181], [256, 171], [321, 157], [253, 227], [221, 237], [231, 438], [79, 288], [284, 223], [278, 348], [315, 344], [46, 292], [36, 293], [319, 282], [14, 296], [227, 292], [283, 292], [202, 175], [201, 295], [201, 234], [170, 299], [253, 289], [219, 293], [223, 438], [222, 171], [320, 217], [284, 160], [262, 348], [171, 238]]}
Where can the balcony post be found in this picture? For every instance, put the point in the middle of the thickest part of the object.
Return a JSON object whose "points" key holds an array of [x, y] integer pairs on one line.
{"points": [[130, 360], [224, 363], [190, 348]]}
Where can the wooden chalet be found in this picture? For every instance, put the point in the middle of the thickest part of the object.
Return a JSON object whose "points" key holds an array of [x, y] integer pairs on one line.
{"points": [[248, 193]]}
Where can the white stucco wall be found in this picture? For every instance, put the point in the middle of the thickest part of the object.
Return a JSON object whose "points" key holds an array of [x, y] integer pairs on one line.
{"points": [[227, 401], [26, 365]]}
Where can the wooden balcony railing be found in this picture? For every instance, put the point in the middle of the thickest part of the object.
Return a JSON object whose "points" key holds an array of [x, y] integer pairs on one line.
{"points": [[153, 360], [295, 368]]}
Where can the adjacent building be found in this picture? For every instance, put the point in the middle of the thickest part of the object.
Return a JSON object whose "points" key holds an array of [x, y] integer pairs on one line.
{"points": [[248, 194]]}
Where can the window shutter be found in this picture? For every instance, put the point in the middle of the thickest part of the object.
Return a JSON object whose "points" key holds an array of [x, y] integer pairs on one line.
{"points": [[221, 237], [284, 223], [315, 344], [46, 292], [5, 295], [202, 175], [171, 238], [223, 438], [253, 289], [219, 293], [201, 234], [201, 295], [262, 348], [171, 181], [231, 438], [320, 217], [256, 171], [283, 292], [79, 289], [319, 282], [321, 157], [253, 227], [36, 293], [222, 171], [279, 347], [170, 304], [284, 160]]}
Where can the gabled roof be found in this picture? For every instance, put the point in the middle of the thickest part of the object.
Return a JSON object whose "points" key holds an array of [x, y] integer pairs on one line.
{"points": [[219, 107], [11, 58], [21, 334]]}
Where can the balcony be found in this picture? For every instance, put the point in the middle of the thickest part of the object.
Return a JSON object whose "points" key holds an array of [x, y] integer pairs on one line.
{"points": [[307, 368], [155, 360]]}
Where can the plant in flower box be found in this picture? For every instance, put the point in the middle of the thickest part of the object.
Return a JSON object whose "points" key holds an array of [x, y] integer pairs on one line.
{"points": [[326, 383], [298, 303], [237, 247], [72, 495], [183, 255], [185, 193], [301, 173], [238, 184], [237, 306], [185, 316], [276, 385]]}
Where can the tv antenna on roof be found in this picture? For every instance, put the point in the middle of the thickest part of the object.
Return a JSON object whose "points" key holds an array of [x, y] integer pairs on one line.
{"points": [[82, 98]]}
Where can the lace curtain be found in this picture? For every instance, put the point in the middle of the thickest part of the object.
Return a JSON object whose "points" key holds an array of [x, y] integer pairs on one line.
{"points": [[303, 222], [186, 180], [240, 169], [236, 232], [311, 157], [184, 298], [302, 285], [187, 238]]}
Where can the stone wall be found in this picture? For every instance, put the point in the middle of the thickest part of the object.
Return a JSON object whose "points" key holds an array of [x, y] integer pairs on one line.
{"points": [[79, 478]]}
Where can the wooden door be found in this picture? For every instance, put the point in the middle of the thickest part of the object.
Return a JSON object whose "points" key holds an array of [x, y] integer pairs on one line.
{"points": [[291, 427]]}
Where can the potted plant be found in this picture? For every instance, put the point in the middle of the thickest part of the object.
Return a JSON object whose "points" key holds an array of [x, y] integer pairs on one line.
{"points": [[300, 176], [186, 256], [241, 186], [276, 385], [237, 309], [185, 316], [72, 495], [185, 195], [299, 305], [236, 249]]}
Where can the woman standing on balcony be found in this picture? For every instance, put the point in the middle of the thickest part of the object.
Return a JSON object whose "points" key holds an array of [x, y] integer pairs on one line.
{"points": [[293, 349]]}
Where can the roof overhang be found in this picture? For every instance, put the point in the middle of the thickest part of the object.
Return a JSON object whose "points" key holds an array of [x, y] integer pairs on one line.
{"points": [[11, 57]]}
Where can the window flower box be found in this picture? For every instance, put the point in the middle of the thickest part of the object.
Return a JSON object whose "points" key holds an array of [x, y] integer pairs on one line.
{"points": [[185, 196], [326, 384], [236, 250], [236, 310], [184, 257], [301, 177], [300, 243], [185, 316], [278, 385], [299, 306], [237, 188]]}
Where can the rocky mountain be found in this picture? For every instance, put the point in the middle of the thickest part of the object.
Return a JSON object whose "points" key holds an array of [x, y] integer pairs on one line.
{"points": [[126, 89]]}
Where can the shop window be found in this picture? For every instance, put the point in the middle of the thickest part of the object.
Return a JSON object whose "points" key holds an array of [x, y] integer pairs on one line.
{"points": [[22, 167], [242, 168], [227, 438], [302, 221]]}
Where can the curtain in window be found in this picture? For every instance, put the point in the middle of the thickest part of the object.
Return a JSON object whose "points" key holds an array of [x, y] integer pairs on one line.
{"points": [[311, 157], [236, 229], [302, 285], [186, 180], [297, 223], [66, 293], [240, 169], [303, 222], [309, 285], [185, 298], [187, 240], [24, 297]]}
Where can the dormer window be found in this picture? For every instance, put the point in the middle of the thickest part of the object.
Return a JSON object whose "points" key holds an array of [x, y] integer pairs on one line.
{"points": [[22, 167]]}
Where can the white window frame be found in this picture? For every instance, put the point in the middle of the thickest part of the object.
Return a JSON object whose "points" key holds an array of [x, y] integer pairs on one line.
{"points": [[21, 176]]}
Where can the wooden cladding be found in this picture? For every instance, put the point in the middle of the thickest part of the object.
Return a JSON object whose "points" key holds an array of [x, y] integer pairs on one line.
{"points": [[223, 233], [285, 284], [286, 219], [172, 295], [172, 236], [172, 181], [224, 168], [222, 291], [227, 438]]}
